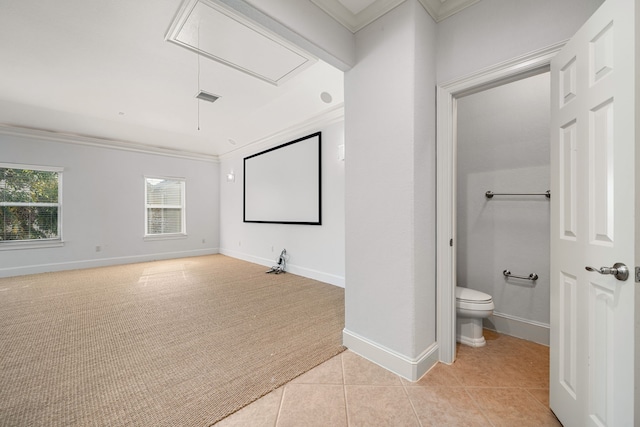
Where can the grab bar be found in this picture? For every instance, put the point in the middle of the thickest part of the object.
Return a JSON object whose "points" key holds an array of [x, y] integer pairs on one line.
{"points": [[532, 276], [489, 194]]}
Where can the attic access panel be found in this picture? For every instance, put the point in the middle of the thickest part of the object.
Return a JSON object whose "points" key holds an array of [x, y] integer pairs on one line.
{"points": [[224, 35]]}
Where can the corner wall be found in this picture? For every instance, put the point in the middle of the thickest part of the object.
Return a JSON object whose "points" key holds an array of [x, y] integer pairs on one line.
{"points": [[390, 193], [103, 205]]}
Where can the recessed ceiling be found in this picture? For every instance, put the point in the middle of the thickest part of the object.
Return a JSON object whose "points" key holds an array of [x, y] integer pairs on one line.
{"points": [[356, 14], [356, 6], [221, 34]]}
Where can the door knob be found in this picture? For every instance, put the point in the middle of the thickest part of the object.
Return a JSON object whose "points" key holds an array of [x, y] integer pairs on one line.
{"points": [[619, 270]]}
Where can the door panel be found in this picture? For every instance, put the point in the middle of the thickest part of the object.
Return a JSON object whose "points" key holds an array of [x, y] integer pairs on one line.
{"points": [[568, 181], [568, 338], [593, 87], [601, 174]]}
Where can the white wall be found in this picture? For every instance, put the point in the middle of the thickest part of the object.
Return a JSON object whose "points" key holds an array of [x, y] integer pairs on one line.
{"points": [[503, 146], [314, 251], [390, 182], [493, 31], [103, 205]]}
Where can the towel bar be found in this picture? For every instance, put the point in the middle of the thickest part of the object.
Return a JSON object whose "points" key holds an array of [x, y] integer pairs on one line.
{"points": [[489, 194], [532, 276]]}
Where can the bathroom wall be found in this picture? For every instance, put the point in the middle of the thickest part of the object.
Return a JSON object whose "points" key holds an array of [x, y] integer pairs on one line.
{"points": [[503, 146]]}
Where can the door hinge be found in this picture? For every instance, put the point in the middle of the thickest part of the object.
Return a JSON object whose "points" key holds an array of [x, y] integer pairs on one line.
{"points": [[637, 274]]}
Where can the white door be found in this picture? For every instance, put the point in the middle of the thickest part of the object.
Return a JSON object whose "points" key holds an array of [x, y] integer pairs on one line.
{"points": [[593, 171]]}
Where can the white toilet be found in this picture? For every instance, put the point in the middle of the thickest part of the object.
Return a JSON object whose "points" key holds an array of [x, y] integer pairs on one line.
{"points": [[471, 307]]}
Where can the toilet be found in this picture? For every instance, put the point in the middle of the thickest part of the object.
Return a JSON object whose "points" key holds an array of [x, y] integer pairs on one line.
{"points": [[471, 307]]}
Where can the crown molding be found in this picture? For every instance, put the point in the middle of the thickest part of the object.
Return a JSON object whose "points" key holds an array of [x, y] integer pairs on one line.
{"points": [[333, 115], [438, 9], [441, 9], [48, 135], [354, 22]]}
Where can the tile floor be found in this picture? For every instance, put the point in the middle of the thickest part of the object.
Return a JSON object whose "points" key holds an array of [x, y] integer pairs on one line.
{"points": [[505, 383]]}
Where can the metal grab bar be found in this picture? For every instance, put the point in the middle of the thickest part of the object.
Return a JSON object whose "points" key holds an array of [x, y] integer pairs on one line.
{"points": [[489, 194], [532, 276]]}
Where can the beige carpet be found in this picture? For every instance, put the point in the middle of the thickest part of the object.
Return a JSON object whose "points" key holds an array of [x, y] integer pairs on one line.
{"points": [[182, 342]]}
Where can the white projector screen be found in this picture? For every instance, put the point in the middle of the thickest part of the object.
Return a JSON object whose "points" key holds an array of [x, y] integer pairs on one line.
{"points": [[282, 185]]}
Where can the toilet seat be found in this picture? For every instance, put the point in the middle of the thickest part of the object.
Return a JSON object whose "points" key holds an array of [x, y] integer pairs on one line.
{"points": [[471, 295], [470, 299]]}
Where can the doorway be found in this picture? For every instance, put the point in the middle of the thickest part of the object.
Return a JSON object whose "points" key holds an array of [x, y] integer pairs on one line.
{"points": [[448, 96], [502, 244]]}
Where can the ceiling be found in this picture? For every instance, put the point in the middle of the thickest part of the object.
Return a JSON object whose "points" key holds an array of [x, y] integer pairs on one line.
{"points": [[355, 14], [104, 71]]}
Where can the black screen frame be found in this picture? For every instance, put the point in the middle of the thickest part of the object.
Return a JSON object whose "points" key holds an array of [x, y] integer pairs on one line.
{"points": [[310, 221]]}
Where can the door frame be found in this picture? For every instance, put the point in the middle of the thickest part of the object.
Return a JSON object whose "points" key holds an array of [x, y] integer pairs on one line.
{"points": [[446, 142]]}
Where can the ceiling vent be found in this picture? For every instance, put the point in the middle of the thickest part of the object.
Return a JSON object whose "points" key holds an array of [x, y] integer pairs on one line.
{"points": [[206, 96]]}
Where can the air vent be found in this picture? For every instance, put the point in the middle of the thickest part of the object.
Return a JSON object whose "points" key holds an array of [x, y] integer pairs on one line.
{"points": [[206, 96]]}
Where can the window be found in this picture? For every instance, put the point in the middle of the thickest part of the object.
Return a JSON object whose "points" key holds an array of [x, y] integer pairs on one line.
{"points": [[164, 213], [30, 206]]}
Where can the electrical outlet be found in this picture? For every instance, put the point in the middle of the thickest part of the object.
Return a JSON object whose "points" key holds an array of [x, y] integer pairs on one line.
{"points": [[204, 241], [98, 248], [271, 248]]}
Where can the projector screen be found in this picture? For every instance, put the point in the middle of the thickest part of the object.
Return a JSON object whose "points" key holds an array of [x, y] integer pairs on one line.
{"points": [[282, 185]]}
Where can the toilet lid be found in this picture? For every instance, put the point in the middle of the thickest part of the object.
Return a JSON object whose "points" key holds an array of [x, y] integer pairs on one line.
{"points": [[471, 295]]}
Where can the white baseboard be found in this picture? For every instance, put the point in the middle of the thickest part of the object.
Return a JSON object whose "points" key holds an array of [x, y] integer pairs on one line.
{"points": [[518, 327], [410, 369], [321, 276], [100, 262]]}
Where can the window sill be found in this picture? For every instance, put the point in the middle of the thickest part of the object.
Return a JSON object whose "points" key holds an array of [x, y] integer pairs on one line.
{"points": [[15, 245], [154, 237]]}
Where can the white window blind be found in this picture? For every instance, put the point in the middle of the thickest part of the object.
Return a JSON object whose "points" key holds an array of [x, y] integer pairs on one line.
{"points": [[30, 203], [165, 214]]}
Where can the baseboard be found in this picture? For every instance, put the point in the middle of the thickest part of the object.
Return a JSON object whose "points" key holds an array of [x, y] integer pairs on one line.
{"points": [[321, 276], [410, 369], [101, 262], [518, 327]]}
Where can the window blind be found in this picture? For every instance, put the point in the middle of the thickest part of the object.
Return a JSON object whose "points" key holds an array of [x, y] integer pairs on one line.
{"points": [[164, 206]]}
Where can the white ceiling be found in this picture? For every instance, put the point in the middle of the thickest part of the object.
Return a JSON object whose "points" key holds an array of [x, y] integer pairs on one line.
{"points": [[104, 70]]}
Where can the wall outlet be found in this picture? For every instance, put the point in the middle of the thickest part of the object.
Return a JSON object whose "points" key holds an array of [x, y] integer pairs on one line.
{"points": [[98, 248], [204, 241], [271, 248]]}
